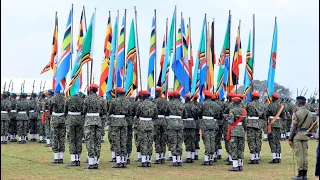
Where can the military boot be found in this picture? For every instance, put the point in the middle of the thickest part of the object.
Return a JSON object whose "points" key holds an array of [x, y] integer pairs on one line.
{"points": [[60, 161], [300, 176], [196, 157], [252, 161], [273, 161], [72, 163], [96, 166], [205, 163], [128, 162], [175, 164], [219, 157], [77, 163], [143, 164], [158, 161], [188, 160], [89, 167], [256, 161], [234, 169], [163, 161], [118, 165], [56, 161], [113, 160]]}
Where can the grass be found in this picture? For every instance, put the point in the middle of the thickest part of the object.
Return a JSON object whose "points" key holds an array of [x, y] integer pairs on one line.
{"points": [[24, 162]]}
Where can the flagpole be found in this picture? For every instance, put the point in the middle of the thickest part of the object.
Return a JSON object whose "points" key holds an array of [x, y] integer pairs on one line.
{"points": [[183, 58], [137, 46], [229, 32], [91, 57], [116, 55], [237, 79], [155, 50], [175, 44], [71, 43], [190, 53], [124, 46], [166, 40], [85, 26], [253, 44], [212, 52]]}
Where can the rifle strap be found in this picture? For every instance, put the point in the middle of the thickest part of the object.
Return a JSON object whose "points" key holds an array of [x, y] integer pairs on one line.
{"points": [[270, 122]]}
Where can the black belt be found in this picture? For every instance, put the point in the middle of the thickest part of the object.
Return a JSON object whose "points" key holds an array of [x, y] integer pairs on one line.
{"points": [[302, 129]]}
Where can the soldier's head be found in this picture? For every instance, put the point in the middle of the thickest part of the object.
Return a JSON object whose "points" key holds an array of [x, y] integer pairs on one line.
{"points": [[207, 94], [120, 92], [170, 95], [240, 96], [158, 92], [144, 94], [255, 95], [236, 100], [5, 94], [93, 88], [301, 101], [13, 95], [275, 97], [313, 100], [231, 95], [50, 92], [23, 95], [34, 95], [187, 98], [176, 94], [213, 97], [42, 95], [195, 97]]}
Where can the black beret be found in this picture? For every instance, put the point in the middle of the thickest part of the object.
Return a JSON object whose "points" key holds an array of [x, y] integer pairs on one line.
{"points": [[301, 98]]}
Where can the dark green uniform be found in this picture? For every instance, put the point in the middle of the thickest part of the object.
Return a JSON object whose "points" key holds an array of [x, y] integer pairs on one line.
{"points": [[5, 119], [33, 118], [42, 130], [13, 118], [22, 118]]}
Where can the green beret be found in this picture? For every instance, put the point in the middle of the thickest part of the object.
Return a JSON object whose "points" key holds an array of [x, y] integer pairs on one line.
{"points": [[24, 95], [13, 94], [34, 95]]}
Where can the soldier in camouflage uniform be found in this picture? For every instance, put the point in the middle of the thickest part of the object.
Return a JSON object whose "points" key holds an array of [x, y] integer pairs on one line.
{"points": [[5, 119], [58, 127], [45, 107], [275, 135], [133, 108], [146, 111], [255, 117], [175, 112], [208, 114], [33, 118], [288, 110], [42, 130], [197, 139], [13, 118], [74, 127], [226, 107], [120, 108], [129, 132], [312, 106], [189, 124], [22, 118], [170, 98], [103, 121], [219, 131], [160, 127], [236, 133], [93, 109]]}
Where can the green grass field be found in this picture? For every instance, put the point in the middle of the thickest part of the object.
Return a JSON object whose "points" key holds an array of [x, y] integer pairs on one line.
{"points": [[24, 162]]}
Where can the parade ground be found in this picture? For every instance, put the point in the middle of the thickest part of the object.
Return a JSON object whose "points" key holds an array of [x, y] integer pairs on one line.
{"points": [[25, 162]]}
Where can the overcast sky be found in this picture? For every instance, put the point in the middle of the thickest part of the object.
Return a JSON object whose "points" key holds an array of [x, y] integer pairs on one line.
{"points": [[27, 29]]}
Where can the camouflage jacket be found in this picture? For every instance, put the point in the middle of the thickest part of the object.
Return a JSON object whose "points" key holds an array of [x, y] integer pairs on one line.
{"points": [[120, 106], [272, 110], [33, 114], [222, 106], [134, 108], [39, 108], [5, 106], [13, 112], [56, 105], [234, 114], [192, 111], [209, 108], [255, 109], [146, 109], [288, 110], [162, 105], [175, 108], [73, 104], [93, 104], [130, 117], [22, 107]]}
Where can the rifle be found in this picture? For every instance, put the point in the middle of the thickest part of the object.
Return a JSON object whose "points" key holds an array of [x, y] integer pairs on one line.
{"points": [[32, 88], [44, 85], [12, 87], [311, 128], [20, 91], [305, 92], [9, 84], [4, 87]]}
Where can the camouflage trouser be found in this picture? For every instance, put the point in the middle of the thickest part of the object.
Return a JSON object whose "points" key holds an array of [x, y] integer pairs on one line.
{"points": [[33, 126], [42, 128], [109, 139], [208, 137], [136, 135], [237, 147], [74, 135], [288, 125], [103, 126], [189, 136], [13, 130], [265, 127], [254, 140], [274, 140], [283, 126], [92, 135], [219, 137], [119, 139], [4, 127], [226, 142], [48, 127], [22, 126], [175, 140], [146, 140], [197, 139], [58, 137], [160, 138], [129, 139]]}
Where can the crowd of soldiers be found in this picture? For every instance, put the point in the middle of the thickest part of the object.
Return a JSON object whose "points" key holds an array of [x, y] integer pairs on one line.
{"points": [[166, 123]]}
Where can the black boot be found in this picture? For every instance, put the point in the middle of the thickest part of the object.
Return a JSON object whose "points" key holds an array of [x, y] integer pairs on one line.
{"points": [[124, 165], [188, 160], [148, 164], [118, 165], [128, 162], [113, 160], [240, 168], [56, 161], [89, 167], [305, 174], [196, 157], [77, 163], [157, 161], [72, 163], [219, 157], [300, 175], [234, 169], [60, 161], [256, 161], [163, 161], [205, 163], [143, 164], [96, 166], [252, 161], [273, 161]]}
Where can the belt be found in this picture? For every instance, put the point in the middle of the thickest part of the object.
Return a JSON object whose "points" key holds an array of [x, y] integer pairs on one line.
{"points": [[253, 117], [207, 117], [145, 119], [313, 113], [271, 117], [74, 113], [119, 116], [174, 117], [4, 112], [239, 124], [111, 115], [41, 111], [57, 114], [188, 119], [22, 112], [13, 111], [160, 116], [302, 129], [92, 114], [31, 111]]}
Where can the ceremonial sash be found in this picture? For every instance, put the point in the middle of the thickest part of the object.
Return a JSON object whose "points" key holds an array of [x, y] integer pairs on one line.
{"points": [[43, 119], [270, 122], [244, 113]]}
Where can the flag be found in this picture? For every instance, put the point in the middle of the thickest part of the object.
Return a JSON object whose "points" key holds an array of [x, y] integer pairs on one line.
{"points": [[237, 60], [163, 49], [74, 88], [211, 60], [248, 73], [106, 61], [152, 56], [190, 60], [272, 64], [112, 59], [120, 59], [222, 79], [86, 52], [64, 63], [132, 74], [46, 68], [54, 52]]}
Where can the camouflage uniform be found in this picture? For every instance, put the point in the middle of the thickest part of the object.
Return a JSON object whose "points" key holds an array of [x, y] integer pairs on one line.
{"points": [[136, 128], [275, 135], [33, 118], [74, 127], [129, 132], [45, 107], [219, 131], [288, 108], [120, 108], [197, 138], [146, 111], [226, 108], [160, 128], [175, 111], [254, 122], [42, 130], [5, 119], [22, 118], [58, 126], [104, 121], [265, 123], [13, 118]]}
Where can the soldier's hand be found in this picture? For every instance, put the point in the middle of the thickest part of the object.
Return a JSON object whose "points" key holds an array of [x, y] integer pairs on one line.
{"points": [[291, 144]]}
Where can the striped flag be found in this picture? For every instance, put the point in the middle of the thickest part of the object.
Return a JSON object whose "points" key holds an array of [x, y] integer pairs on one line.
{"points": [[237, 60], [272, 64], [121, 58], [248, 72], [106, 61], [152, 56], [46, 68], [190, 60], [64, 63], [163, 49], [211, 60]]}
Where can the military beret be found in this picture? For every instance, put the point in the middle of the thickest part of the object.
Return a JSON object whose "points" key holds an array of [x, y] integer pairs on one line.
{"points": [[93, 86], [213, 97], [196, 96], [120, 90], [50, 91], [232, 94], [256, 94], [13, 94], [176, 93], [236, 99], [159, 89], [34, 95], [300, 98], [207, 93], [240, 96], [275, 95], [187, 96], [144, 92], [24, 94], [170, 93]]}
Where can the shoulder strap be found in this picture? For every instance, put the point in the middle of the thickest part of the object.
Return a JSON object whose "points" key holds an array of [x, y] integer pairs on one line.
{"points": [[304, 120]]}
